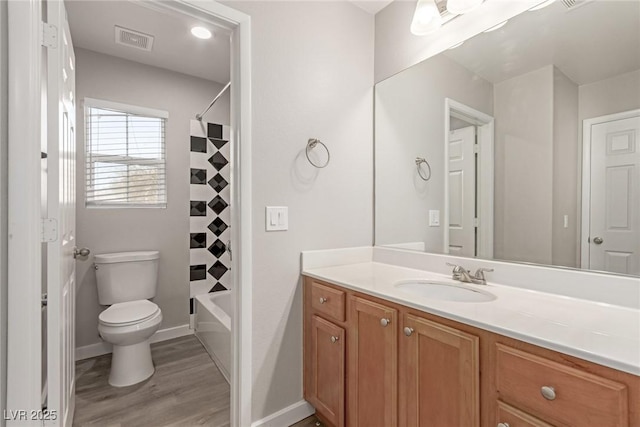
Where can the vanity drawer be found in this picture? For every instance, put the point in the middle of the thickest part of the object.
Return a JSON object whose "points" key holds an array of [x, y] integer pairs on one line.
{"points": [[508, 416], [328, 300], [574, 397]]}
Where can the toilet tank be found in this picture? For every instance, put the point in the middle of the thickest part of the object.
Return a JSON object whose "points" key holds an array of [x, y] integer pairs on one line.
{"points": [[126, 276]]}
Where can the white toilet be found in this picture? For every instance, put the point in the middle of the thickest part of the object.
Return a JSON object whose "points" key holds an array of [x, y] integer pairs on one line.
{"points": [[126, 281]]}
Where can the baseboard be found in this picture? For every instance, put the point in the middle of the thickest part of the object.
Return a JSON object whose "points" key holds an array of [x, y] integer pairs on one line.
{"points": [[287, 416], [100, 348]]}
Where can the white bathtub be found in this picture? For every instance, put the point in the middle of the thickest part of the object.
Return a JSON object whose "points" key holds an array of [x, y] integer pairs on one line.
{"points": [[213, 327]]}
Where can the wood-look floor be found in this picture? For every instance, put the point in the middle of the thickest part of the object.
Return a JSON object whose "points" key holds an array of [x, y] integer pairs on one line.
{"points": [[186, 390]]}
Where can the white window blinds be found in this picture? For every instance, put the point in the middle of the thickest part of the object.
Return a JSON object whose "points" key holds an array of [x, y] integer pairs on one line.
{"points": [[125, 156]]}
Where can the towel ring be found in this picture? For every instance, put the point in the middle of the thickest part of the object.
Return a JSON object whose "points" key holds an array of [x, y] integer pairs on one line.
{"points": [[419, 162], [313, 142]]}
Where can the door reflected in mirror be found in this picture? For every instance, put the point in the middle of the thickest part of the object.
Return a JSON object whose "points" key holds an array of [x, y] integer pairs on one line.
{"points": [[531, 133]]}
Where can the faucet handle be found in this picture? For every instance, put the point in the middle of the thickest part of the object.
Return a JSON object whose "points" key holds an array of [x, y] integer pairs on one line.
{"points": [[479, 274], [456, 268]]}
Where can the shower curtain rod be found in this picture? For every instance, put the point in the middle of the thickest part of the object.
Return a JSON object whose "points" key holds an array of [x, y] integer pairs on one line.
{"points": [[199, 116]]}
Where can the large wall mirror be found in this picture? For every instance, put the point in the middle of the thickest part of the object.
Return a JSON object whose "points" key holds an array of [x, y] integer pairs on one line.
{"points": [[521, 144]]}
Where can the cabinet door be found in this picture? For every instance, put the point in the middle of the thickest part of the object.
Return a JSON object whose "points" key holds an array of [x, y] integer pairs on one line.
{"points": [[327, 370], [372, 375], [439, 375]]}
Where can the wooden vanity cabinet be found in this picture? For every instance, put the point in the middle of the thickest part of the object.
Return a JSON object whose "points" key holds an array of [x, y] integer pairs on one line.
{"points": [[325, 351], [369, 362], [439, 375], [373, 358]]}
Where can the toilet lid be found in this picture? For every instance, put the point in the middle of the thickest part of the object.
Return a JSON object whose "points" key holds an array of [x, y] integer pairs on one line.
{"points": [[125, 313]]}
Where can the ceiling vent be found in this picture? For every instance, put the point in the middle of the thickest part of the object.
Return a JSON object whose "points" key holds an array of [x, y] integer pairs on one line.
{"points": [[574, 4], [132, 38]]}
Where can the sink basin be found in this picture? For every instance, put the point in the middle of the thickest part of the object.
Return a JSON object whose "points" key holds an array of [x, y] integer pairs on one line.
{"points": [[444, 291]]}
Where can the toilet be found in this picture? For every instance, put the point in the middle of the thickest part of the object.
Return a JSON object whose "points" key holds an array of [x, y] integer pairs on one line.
{"points": [[126, 281]]}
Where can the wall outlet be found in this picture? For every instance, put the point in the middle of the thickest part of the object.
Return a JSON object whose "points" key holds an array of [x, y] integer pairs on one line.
{"points": [[277, 218], [434, 218]]}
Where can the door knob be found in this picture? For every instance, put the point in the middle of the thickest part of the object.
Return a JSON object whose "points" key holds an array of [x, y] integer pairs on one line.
{"points": [[503, 424], [384, 322], [408, 331], [334, 339], [81, 252], [598, 240], [322, 300]]}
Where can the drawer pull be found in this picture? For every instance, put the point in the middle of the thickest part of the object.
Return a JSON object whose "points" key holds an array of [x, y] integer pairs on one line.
{"points": [[503, 424], [322, 300], [408, 331], [548, 393], [334, 339], [384, 322]]}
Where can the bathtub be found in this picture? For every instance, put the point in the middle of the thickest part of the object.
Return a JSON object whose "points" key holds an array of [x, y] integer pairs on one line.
{"points": [[213, 327]]}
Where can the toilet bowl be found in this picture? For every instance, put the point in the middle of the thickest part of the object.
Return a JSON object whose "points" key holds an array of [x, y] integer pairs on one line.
{"points": [[128, 326], [125, 281]]}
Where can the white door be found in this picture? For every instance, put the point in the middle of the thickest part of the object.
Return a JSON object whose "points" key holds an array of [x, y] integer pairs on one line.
{"points": [[462, 192], [614, 227], [61, 205]]}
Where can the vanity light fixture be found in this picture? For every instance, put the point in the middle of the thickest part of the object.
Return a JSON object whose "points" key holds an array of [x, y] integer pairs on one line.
{"points": [[542, 5], [201, 33], [458, 7], [496, 27], [426, 18]]}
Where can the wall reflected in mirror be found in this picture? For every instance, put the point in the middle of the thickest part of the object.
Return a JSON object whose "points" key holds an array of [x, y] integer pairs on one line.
{"points": [[532, 135]]}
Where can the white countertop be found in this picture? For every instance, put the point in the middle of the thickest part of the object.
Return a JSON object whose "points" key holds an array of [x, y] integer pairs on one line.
{"points": [[601, 333]]}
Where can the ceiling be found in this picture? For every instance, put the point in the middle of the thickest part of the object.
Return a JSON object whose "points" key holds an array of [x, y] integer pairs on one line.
{"points": [[371, 6], [597, 40], [174, 48]]}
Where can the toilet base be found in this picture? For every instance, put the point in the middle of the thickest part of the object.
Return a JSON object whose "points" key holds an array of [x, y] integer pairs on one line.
{"points": [[130, 364]]}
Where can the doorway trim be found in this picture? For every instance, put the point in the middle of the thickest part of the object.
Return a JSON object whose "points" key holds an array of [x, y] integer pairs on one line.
{"points": [[587, 124], [484, 196], [25, 225]]}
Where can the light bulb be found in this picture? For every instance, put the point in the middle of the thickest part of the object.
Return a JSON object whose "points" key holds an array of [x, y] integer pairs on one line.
{"points": [[458, 7], [201, 33], [426, 18]]}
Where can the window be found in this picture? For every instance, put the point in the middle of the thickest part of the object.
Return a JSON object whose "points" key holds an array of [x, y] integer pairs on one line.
{"points": [[125, 155]]}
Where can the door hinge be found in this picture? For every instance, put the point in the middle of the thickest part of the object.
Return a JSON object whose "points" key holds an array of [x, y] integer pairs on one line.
{"points": [[49, 35], [476, 222], [49, 230], [476, 148], [44, 300]]}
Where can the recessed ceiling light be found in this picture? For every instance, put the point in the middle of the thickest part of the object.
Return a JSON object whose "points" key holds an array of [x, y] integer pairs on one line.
{"points": [[543, 5], [201, 33], [456, 45], [496, 27]]}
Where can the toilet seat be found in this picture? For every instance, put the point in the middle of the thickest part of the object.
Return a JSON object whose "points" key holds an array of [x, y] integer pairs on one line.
{"points": [[128, 313]]}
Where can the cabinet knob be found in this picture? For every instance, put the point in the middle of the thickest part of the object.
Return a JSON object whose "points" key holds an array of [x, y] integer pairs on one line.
{"points": [[548, 393], [334, 339], [323, 300], [384, 322], [408, 331], [503, 424]]}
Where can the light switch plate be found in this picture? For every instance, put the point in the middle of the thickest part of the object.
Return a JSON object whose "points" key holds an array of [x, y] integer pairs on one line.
{"points": [[277, 218], [434, 218]]}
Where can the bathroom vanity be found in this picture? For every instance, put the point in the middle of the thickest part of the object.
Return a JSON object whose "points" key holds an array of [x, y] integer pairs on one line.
{"points": [[379, 355]]}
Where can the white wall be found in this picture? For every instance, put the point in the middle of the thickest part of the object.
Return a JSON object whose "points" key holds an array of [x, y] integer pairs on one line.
{"points": [[565, 171], [167, 230], [312, 72], [614, 95], [3, 206], [524, 167], [409, 123]]}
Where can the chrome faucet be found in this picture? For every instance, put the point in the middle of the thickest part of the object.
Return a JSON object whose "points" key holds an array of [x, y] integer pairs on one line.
{"points": [[461, 274]]}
